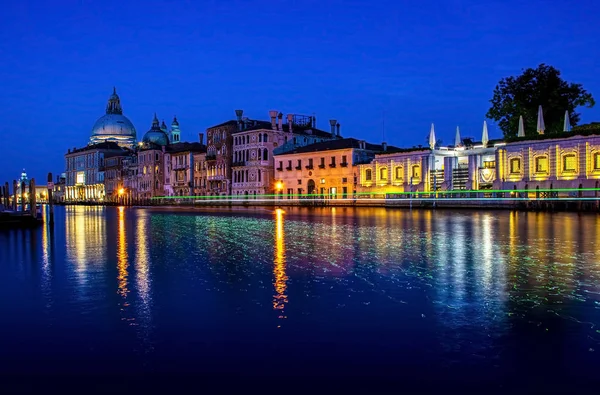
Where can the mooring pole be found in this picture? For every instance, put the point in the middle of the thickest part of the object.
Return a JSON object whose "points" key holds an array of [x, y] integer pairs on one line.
{"points": [[51, 198], [32, 208]]}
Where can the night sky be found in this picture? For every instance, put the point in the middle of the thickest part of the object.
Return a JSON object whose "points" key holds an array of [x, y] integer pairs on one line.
{"points": [[416, 61]]}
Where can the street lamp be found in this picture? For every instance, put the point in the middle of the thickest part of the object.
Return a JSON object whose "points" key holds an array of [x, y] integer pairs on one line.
{"points": [[279, 187]]}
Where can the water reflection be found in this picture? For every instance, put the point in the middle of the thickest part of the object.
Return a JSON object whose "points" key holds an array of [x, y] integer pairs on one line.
{"points": [[122, 257], [279, 272], [467, 281]]}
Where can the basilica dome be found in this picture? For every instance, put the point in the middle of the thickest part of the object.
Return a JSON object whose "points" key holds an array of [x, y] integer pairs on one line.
{"points": [[114, 126], [156, 135]]}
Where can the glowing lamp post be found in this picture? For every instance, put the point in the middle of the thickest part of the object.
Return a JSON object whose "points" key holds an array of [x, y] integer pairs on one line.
{"points": [[279, 187]]}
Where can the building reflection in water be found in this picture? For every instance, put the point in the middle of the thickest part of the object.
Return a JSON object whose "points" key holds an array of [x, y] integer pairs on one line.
{"points": [[85, 233], [279, 266], [143, 279], [122, 257], [47, 258]]}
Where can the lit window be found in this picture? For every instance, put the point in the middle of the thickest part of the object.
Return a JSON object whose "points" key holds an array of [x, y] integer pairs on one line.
{"points": [[541, 164], [515, 165], [597, 161], [368, 175], [569, 162], [416, 171], [399, 173], [383, 173], [322, 181]]}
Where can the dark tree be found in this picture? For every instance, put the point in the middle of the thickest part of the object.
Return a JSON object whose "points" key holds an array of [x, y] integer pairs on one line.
{"points": [[515, 96]]}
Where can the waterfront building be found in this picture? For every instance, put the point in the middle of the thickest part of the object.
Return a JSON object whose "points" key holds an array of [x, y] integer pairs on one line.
{"points": [[254, 146], [200, 171], [328, 169], [85, 171], [130, 177], [571, 160], [151, 160], [114, 126], [113, 177], [180, 168], [218, 157], [468, 165], [58, 192]]}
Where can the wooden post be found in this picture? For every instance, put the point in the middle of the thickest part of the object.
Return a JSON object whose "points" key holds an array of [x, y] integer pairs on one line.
{"points": [[7, 194], [32, 208], [51, 198], [14, 195], [22, 196]]}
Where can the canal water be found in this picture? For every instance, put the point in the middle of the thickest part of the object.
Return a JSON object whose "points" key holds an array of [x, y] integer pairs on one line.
{"points": [[299, 300]]}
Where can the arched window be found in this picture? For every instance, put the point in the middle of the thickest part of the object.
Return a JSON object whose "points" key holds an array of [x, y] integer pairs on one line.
{"points": [[383, 173], [416, 171], [247, 139], [368, 174], [259, 138], [265, 154], [265, 137], [398, 172]]}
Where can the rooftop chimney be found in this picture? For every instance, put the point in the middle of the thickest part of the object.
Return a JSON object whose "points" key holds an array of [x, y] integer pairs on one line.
{"points": [[273, 116], [201, 138], [332, 123], [280, 116], [384, 146], [290, 119], [314, 121], [238, 114], [338, 129]]}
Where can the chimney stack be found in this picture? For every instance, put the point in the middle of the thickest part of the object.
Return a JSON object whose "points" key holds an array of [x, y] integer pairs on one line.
{"points": [[280, 116], [273, 116], [338, 129], [384, 146], [290, 119], [238, 115], [201, 138], [332, 123], [314, 121]]}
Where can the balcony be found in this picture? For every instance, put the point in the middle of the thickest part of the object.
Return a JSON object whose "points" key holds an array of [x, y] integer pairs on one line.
{"points": [[298, 167], [180, 167], [217, 177], [279, 169], [211, 157], [332, 165], [321, 166], [289, 168], [238, 164], [309, 167], [344, 164]]}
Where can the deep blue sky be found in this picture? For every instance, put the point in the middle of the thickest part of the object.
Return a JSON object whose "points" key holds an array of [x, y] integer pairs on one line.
{"points": [[417, 61]]}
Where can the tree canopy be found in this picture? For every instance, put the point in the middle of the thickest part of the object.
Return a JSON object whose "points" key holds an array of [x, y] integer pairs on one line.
{"points": [[522, 95]]}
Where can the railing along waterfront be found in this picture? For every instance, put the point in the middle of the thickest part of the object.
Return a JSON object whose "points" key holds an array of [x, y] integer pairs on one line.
{"points": [[503, 196]]}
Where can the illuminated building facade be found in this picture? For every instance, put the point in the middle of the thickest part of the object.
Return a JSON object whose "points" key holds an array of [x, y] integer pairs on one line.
{"points": [[180, 168], [254, 146], [556, 162], [200, 171], [424, 170], [85, 171], [218, 157], [113, 177], [328, 169]]}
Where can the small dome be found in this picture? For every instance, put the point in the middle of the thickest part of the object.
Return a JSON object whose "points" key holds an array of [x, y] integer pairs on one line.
{"points": [[155, 135]]}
